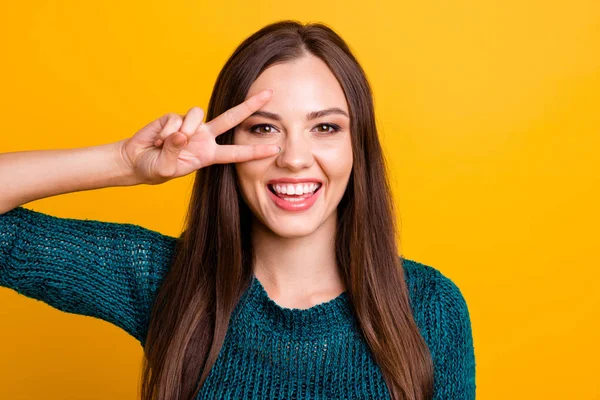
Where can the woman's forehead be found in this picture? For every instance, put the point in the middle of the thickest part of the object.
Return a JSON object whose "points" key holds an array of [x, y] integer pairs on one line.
{"points": [[303, 85]]}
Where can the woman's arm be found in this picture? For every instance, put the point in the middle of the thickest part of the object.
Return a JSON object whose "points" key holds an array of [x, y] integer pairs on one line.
{"points": [[102, 269], [441, 312], [454, 359], [166, 148], [105, 270], [30, 175]]}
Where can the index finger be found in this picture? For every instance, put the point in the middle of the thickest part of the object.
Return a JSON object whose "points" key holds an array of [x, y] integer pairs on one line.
{"points": [[234, 116]]}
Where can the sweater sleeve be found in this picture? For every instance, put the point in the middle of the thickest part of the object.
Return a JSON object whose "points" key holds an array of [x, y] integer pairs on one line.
{"points": [[105, 270], [453, 355]]}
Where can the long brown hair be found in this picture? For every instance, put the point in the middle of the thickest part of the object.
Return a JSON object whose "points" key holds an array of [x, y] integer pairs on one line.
{"points": [[212, 264]]}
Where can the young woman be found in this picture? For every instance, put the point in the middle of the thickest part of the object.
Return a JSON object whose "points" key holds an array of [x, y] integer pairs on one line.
{"points": [[286, 281]]}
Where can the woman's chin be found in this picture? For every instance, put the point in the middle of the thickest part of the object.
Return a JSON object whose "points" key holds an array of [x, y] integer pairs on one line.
{"points": [[292, 230]]}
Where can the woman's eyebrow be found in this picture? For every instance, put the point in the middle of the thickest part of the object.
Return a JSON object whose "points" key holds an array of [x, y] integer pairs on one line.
{"points": [[310, 116]]}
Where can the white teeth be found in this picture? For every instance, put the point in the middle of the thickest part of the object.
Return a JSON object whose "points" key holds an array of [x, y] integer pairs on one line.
{"points": [[299, 189]]}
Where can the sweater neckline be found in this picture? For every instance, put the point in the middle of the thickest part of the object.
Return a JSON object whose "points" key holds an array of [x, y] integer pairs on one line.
{"points": [[323, 318]]}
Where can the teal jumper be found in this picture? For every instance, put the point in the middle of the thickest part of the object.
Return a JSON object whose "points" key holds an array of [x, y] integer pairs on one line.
{"points": [[111, 271]]}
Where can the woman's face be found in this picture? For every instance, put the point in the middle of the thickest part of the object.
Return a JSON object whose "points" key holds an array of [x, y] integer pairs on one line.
{"points": [[316, 150]]}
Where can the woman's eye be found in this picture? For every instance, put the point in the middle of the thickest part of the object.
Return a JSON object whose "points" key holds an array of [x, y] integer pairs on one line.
{"points": [[321, 128], [334, 128], [269, 129]]}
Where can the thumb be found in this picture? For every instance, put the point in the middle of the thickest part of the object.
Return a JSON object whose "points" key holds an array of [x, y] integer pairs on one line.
{"points": [[167, 160]]}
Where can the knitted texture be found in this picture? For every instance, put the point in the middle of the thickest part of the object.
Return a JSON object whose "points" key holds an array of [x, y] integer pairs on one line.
{"points": [[112, 271]]}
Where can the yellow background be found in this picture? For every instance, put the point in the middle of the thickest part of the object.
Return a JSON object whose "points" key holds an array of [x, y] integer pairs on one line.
{"points": [[489, 114]]}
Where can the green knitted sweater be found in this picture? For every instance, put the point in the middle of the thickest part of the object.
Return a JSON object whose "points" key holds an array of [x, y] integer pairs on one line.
{"points": [[111, 271]]}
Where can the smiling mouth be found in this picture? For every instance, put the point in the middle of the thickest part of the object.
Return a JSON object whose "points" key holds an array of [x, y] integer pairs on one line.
{"points": [[294, 202], [293, 197]]}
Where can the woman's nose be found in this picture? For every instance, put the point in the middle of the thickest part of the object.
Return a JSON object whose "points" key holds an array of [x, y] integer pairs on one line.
{"points": [[296, 151]]}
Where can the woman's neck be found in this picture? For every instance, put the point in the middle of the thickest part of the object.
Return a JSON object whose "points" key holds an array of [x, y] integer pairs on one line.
{"points": [[297, 272]]}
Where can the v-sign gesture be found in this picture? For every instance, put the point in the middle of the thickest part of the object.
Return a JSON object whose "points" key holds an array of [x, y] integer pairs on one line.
{"points": [[173, 146]]}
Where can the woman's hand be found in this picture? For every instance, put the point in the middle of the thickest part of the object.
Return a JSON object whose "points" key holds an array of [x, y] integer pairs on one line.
{"points": [[173, 145]]}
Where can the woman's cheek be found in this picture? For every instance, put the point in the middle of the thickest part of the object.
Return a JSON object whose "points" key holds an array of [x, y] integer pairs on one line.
{"points": [[335, 159], [251, 176]]}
